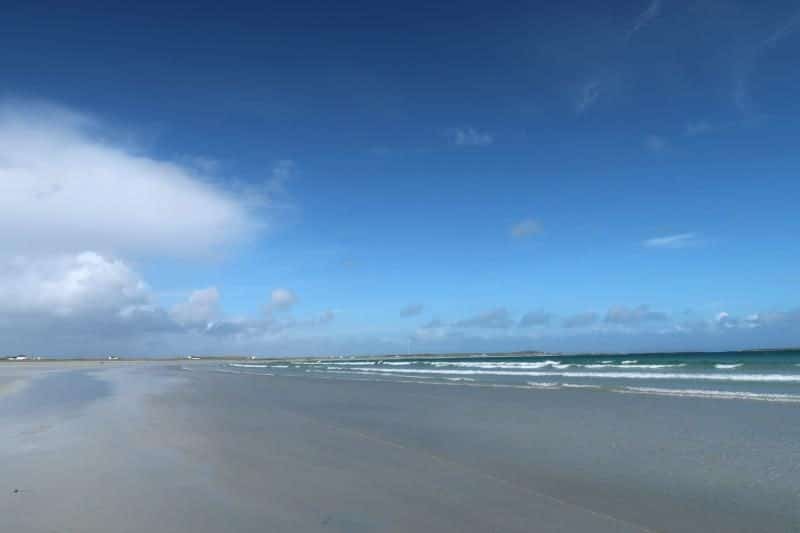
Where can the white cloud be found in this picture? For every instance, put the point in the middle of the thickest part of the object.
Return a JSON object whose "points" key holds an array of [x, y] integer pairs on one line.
{"points": [[682, 240], [652, 10], [498, 318], [748, 61], [724, 320], [631, 316], [70, 286], [655, 144], [53, 303], [412, 310], [434, 323], [580, 320], [773, 318], [783, 31], [272, 192], [58, 304], [201, 308], [525, 228], [700, 127], [535, 318], [588, 94], [65, 187], [470, 137], [324, 317], [770, 321], [282, 299]]}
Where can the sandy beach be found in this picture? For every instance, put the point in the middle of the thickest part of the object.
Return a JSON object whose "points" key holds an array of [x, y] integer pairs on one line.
{"points": [[174, 447]]}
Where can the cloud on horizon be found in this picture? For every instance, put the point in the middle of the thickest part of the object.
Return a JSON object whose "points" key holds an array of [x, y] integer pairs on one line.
{"points": [[580, 320], [498, 318], [94, 300], [631, 316], [89, 304], [535, 318]]}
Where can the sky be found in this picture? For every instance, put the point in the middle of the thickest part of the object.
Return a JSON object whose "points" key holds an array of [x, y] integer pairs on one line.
{"points": [[317, 178]]}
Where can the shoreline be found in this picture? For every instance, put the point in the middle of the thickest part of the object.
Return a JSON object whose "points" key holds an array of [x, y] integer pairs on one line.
{"points": [[376, 357]]}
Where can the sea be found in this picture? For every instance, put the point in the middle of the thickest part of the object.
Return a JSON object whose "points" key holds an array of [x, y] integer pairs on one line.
{"points": [[743, 375]]}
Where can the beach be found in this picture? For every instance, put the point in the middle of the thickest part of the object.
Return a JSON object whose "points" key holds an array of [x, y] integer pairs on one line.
{"points": [[203, 446]]}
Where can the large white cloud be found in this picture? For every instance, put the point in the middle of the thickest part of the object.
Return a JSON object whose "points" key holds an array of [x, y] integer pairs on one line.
{"points": [[70, 286], [89, 304], [75, 206], [65, 187]]}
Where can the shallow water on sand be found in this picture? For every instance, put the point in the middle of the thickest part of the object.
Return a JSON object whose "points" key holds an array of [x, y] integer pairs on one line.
{"points": [[57, 391]]}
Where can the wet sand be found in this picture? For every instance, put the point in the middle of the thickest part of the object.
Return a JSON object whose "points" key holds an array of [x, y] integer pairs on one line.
{"points": [[155, 447]]}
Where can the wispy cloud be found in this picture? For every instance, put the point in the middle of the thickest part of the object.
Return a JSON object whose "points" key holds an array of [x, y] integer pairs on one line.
{"points": [[535, 318], [526, 228], [324, 317], [580, 320], [749, 60], [782, 31], [412, 310], [433, 329], [282, 299], [773, 321], [725, 320], [699, 127], [652, 10], [469, 137], [773, 318], [498, 318], [681, 240], [631, 316], [435, 323], [655, 144], [587, 96]]}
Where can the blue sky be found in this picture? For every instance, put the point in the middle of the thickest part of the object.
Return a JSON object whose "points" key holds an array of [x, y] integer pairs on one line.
{"points": [[279, 178]]}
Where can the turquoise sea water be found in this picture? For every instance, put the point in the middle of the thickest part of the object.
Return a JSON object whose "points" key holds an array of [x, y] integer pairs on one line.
{"points": [[756, 375]]}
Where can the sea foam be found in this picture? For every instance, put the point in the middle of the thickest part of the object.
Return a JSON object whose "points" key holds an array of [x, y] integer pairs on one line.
{"points": [[773, 378], [703, 393]]}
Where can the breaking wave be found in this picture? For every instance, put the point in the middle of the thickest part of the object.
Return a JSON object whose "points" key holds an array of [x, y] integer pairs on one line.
{"points": [[769, 378]]}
